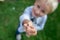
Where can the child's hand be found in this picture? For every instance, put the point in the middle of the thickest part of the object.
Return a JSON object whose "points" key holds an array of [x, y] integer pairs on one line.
{"points": [[27, 24], [31, 31]]}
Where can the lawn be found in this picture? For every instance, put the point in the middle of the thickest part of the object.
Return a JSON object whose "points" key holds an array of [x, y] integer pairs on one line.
{"points": [[10, 10]]}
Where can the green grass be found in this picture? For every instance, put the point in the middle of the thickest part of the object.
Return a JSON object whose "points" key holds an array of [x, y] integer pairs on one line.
{"points": [[9, 19]]}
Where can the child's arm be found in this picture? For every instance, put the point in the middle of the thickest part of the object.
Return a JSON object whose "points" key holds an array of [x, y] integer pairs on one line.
{"points": [[29, 28], [28, 25], [25, 17]]}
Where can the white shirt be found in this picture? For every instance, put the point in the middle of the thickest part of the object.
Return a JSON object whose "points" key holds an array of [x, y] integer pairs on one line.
{"points": [[37, 22]]}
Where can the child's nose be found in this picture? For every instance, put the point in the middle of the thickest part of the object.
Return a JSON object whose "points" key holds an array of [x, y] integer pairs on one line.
{"points": [[38, 11]]}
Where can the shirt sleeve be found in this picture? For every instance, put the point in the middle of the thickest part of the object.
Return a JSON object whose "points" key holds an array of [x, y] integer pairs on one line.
{"points": [[40, 26], [25, 15]]}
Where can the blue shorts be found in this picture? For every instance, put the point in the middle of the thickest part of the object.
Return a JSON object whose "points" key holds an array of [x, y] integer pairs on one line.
{"points": [[17, 32]]}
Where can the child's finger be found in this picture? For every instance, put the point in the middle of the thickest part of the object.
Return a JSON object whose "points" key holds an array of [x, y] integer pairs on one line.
{"points": [[32, 32], [30, 23], [28, 32], [31, 27], [25, 25], [27, 29]]}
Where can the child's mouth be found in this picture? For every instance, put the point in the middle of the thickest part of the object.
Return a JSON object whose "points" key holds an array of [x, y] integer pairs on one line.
{"points": [[43, 11]]}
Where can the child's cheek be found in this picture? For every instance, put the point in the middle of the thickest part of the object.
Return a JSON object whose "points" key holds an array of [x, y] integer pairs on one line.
{"points": [[41, 14], [35, 8]]}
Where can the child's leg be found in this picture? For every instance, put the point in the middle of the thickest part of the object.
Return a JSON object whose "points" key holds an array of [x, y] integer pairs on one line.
{"points": [[18, 34]]}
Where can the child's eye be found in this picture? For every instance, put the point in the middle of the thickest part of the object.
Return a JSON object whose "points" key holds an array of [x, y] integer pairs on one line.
{"points": [[38, 6]]}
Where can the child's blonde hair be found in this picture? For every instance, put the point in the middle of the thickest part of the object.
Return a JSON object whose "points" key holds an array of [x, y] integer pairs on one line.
{"points": [[53, 3]]}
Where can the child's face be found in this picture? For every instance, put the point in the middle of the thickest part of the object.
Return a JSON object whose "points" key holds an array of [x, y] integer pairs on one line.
{"points": [[40, 9]]}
